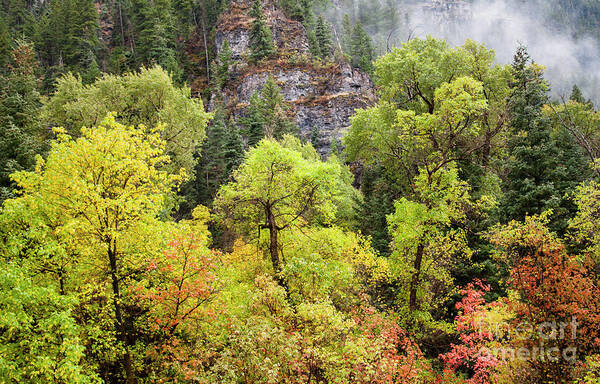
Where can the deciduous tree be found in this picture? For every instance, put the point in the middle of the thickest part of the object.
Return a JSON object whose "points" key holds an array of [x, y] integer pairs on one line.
{"points": [[105, 191], [147, 97], [275, 189]]}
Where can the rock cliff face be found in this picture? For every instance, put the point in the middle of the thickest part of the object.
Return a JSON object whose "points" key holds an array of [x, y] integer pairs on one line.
{"points": [[321, 95]]}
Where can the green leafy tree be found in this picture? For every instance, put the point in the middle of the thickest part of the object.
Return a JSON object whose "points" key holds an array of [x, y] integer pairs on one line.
{"points": [[426, 241], [147, 97], [261, 38], [579, 121], [277, 189], [428, 147], [102, 194], [433, 118], [585, 226], [39, 338], [408, 78]]}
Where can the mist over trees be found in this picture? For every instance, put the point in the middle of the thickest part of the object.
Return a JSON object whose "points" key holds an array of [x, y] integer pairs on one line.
{"points": [[562, 35]]}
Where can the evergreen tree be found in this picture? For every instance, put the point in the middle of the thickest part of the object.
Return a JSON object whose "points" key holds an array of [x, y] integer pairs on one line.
{"points": [[20, 128], [19, 17], [67, 35], [335, 147], [261, 38], [324, 39], [155, 35], [541, 169], [315, 137], [222, 68], [4, 44], [267, 115], [577, 95], [313, 43], [211, 166], [307, 11], [300, 10], [221, 153], [274, 111], [377, 204], [92, 72], [254, 121], [361, 49], [347, 34], [233, 151]]}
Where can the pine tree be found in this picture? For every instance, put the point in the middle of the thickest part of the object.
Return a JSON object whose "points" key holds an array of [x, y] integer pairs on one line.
{"points": [[274, 111], [67, 38], [313, 43], [315, 137], [373, 210], [221, 153], [347, 34], [20, 128], [267, 115], [155, 35], [19, 17], [361, 51], [307, 11], [300, 10], [541, 169], [92, 72], [577, 95], [233, 151], [222, 68], [254, 121], [261, 38], [4, 44], [335, 146], [324, 39], [211, 167]]}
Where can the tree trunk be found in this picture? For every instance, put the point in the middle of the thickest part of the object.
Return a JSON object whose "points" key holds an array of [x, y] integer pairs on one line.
{"points": [[414, 284], [122, 28], [274, 242], [205, 42], [119, 325]]}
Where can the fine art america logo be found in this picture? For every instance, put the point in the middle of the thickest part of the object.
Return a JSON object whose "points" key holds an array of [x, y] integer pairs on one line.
{"points": [[548, 341]]}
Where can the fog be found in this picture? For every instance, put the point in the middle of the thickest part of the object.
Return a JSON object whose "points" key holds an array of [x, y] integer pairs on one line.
{"points": [[502, 25]]}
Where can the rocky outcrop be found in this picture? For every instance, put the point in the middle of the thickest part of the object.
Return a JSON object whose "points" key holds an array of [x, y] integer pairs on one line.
{"points": [[321, 95], [234, 27]]}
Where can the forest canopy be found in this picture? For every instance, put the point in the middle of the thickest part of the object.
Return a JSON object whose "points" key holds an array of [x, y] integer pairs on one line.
{"points": [[167, 215]]}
